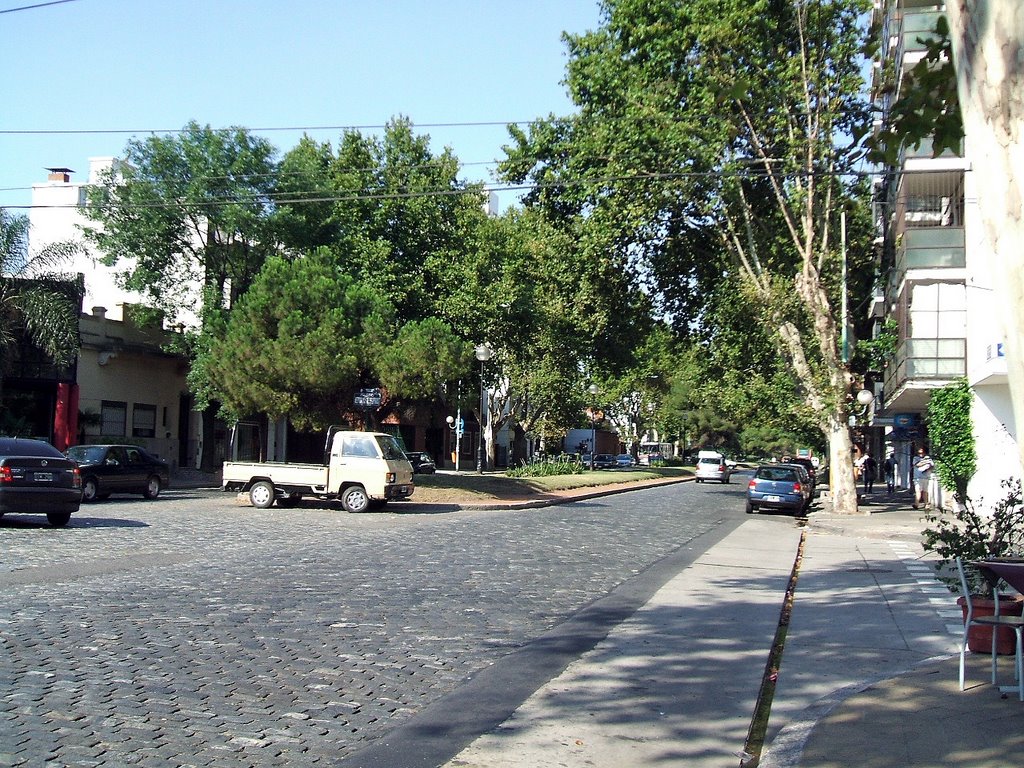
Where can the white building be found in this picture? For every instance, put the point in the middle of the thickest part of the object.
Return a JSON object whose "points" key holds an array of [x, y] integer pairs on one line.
{"points": [[56, 216], [938, 278]]}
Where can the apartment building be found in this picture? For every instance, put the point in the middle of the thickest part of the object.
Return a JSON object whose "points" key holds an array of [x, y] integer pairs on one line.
{"points": [[937, 279]]}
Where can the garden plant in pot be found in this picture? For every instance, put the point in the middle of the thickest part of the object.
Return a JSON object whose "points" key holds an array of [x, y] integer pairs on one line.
{"points": [[969, 530]]}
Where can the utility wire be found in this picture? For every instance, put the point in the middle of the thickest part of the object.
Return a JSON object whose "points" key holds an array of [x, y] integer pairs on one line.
{"points": [[77, 132], [37, 5], [296, 198]]}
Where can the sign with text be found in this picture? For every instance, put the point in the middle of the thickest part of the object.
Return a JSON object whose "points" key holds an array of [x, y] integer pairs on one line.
{"points": [[367, 398]]}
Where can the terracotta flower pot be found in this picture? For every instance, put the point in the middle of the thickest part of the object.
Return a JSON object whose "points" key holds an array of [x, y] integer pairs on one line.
{"points": [[979, 637]]}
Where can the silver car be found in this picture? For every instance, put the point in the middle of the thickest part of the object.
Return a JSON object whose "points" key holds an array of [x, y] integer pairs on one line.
{"points": [[713, 468]]}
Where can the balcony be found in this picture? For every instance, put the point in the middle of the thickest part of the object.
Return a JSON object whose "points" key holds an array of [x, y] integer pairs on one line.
{"points": [[930, 247], [925, 151], [926, 362], [918, 25]]}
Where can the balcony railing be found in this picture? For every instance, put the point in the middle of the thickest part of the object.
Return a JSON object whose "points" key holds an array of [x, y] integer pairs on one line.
{"points": [[919, 25], [931, 359], [930, 247]]}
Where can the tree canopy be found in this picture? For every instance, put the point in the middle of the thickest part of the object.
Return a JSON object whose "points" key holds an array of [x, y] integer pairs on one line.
{"points": [[713, 141]]}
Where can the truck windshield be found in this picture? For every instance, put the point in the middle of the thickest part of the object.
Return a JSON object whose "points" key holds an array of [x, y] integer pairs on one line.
{"points": [[390, 448]]}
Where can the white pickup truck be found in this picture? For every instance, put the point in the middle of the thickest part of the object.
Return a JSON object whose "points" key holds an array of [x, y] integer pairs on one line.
{"points": [[364, 470]]}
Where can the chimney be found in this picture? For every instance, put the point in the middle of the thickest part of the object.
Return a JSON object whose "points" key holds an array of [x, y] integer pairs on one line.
{"points": [[59, 174], [99, 312]]}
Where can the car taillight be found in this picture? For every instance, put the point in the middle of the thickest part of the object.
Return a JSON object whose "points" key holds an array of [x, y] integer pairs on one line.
{"points": [[752, 484], [5, 475], [797, 488], [76, 478]]}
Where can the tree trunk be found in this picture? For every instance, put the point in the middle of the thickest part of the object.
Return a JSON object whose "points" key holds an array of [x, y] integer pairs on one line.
{"points": [[988, 52], [841, 484]]}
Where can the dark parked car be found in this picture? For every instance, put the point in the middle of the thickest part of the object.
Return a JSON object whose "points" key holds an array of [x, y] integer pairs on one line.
{"points": [[605, 461], [422, 463], [108, 469], [809, 466], [779, 486], [36, 478]]}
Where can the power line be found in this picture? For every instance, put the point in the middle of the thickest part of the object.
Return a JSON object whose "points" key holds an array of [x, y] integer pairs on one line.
{"points": [[99, 131], [295, 198], [37, 5]]}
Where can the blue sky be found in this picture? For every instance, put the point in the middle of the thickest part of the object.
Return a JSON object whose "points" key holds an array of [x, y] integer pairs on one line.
{"points": [[141, 65]]}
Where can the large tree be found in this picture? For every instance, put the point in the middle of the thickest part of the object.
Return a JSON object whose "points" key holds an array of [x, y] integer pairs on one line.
{"points": [[552, 315], [306, 336], [713, 138], [187, 216]]}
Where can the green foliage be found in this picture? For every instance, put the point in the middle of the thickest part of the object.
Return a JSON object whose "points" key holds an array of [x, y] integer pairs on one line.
{"points": [[190, 209], [974, 532], [928, 106], [422, 360], [547, 467], [36, 299], [710, 151], [874, 354], [952, 437], [298, 342]]}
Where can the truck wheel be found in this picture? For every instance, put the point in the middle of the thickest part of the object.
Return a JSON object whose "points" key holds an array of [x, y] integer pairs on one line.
{"points": [[354, 499], [261, 494]]}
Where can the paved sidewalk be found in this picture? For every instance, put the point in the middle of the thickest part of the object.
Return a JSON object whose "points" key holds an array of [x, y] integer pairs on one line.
{"points": [[868, 677]]}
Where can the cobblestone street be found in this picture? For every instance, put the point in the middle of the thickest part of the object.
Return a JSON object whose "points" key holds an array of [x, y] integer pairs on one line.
{"points": [[193, 631]]}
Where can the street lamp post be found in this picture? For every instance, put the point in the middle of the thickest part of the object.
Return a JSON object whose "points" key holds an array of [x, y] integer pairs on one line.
{"points": [[455, 424], [593, 390], [484, 352]]}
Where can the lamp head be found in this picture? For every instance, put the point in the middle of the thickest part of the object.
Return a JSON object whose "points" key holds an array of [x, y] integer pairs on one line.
{"points": [[484, 352], [865, 397]]}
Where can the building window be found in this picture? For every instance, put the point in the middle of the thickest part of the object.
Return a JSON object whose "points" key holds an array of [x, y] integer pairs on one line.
{"points": [[144, 420], [114, 417]]}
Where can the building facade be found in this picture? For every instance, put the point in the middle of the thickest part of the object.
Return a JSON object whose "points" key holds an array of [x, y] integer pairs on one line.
{"points": [[936, 288]]}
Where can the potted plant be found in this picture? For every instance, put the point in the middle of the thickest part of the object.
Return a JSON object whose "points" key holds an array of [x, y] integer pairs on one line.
{"points": [[975, 532], [969, 530]]}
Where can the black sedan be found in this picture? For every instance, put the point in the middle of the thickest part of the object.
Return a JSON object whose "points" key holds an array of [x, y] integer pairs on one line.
{"points": [[422, 463], [36, 478], [108, 469]]}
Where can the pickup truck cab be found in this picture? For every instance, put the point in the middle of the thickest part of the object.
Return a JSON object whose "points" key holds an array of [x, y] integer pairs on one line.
{"points": [[362, 470]]}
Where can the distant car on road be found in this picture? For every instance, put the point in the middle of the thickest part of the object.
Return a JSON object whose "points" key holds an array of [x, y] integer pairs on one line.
{"points": [[422, 463], [712, 466], [36, 478], [108, 469], [625, 460], [605, 461], [779, 486]]}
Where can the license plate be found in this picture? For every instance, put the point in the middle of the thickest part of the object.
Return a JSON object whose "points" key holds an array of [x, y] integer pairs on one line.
{"points": [[776, 499], [44, 477]]}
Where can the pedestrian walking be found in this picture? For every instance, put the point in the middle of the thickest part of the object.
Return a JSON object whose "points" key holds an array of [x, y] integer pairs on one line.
{"points": [[869, 467], [923, 466], [889, 470]]}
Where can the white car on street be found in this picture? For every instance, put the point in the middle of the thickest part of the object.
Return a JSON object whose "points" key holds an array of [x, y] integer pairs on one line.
{"points": [[712, 466]]}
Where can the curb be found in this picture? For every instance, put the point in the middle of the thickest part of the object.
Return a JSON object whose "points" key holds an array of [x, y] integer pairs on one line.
{"points": [[570, 495]]}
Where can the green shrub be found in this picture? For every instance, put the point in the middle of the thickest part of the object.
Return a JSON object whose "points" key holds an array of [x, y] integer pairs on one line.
{"points": [[547, 467]]}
